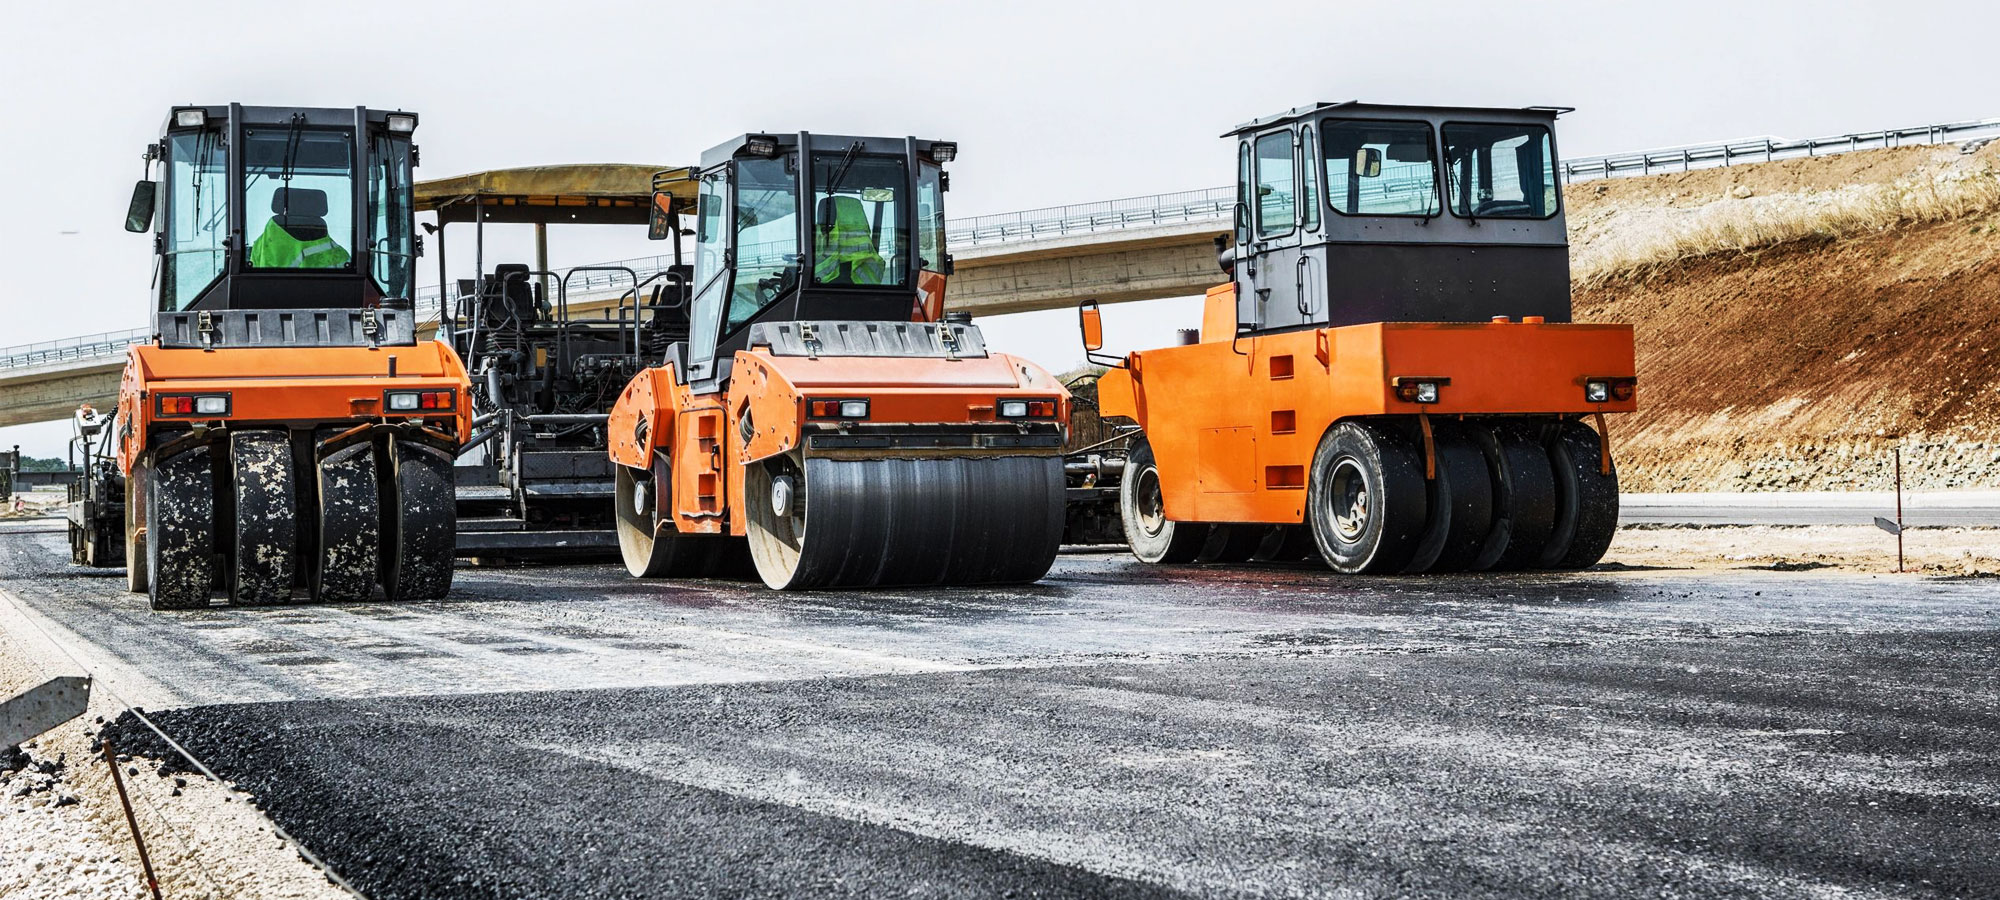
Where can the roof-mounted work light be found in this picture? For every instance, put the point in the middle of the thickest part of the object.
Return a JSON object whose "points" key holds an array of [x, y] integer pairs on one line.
{"points": [[190, 118], [401, 123], [944, 151], [761, 145]]}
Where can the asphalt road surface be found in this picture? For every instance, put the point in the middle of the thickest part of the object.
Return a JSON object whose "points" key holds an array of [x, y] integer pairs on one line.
{"points": [[1116, 730]]}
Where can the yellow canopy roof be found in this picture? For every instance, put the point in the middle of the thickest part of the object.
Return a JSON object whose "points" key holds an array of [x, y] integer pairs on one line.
{"points": [[587, 193]]}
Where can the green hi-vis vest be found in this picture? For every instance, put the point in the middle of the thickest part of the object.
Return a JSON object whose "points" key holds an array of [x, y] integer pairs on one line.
{"points": [[849, 243], [277, 249]]}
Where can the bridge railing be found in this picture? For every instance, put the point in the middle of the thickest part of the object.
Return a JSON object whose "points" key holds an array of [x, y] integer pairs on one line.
{"points": [[1212, 204], [89, 346]]}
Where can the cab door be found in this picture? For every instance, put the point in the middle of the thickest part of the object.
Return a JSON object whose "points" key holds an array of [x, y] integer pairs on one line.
{"points": [[1274, 276]]}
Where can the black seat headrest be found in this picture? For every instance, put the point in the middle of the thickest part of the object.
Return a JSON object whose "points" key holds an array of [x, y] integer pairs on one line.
{"points": [[302, 203]]}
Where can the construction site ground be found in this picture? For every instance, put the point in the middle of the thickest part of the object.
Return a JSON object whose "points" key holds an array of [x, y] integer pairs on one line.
{"points": [[1704, 715]]}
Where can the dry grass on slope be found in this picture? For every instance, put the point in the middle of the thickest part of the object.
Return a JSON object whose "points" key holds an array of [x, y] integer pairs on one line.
{"points": [[1638, 225]]}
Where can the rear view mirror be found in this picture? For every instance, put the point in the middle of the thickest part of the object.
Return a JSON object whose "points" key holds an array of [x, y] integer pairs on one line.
{"points": [[139, 214], [1092, 324], [1368, 162], [660, 221]]}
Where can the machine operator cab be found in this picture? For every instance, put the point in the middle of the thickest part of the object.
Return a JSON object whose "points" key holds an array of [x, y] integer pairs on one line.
{"points": [[280, 208], [1348, 213], [809, 227]]}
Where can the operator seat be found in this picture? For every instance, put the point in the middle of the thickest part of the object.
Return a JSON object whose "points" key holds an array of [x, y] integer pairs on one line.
{"points": [[301, 212]]}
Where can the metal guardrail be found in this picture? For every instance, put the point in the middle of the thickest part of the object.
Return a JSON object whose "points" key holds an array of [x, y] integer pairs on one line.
{"points": [[1175, 208], [89, 346]]}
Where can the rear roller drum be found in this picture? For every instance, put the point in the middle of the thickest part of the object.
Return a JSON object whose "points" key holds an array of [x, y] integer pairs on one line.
{"points": [[1460, 504], [903, 522], [1153, 537], [265, 534], [1366, 500], [423, 533], [180, 518], [653, 548], [348, 553], [1586, 499], [1524, 500]]}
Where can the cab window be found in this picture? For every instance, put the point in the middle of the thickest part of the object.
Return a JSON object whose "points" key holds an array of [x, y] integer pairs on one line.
{"points": [[1503, 171], [860, 237], [1379, 168], [1275, 184], [930, 218], [298, 198], [767, 237], [197, 218]]}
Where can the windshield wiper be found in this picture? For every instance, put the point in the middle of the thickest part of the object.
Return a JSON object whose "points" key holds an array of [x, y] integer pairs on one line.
{"points": [[846, 160]]}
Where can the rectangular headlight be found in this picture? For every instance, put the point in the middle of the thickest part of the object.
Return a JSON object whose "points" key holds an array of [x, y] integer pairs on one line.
{"points": [[190, 118], [1013, 409], [1597, 391], [405, 401], [854, 409], [211, 406], [944, 151], [1427, 392], [402, 124]]}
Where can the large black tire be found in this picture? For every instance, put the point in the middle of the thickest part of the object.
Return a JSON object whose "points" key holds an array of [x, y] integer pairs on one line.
{"points": [[1586, 499], [1365, 500], [1459, 504], [347, 556], [1524, 503], [422, 538], [180, 515], [263, 557], [1231, 543], [1153, 537], [651, 547], [1286, 543], [136, 580]]}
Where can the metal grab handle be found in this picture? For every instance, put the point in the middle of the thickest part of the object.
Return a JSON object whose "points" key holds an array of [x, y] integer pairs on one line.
{"points": [[1299, 284]]}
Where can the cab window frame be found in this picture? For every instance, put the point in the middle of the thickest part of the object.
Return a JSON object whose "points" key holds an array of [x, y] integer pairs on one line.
{"points": [[1257, 232], [1551, 166], [1431, 139]]}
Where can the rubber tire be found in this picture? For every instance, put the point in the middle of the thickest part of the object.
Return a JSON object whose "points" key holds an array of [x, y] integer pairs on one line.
{"points": [[136, 573], [1171, 542], [347, 555], [1390, 468], [1459, 504], [1286, 543], [422, 540], [180, 512], [264, 549], [1586, 499], [1524, 502], [1231, 543], [652, 548]]}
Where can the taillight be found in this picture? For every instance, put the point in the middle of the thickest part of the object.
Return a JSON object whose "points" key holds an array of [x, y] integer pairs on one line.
{"points": [[1026, 409], [419, 401], [837, 409], [194, 404], [1411, 389]]}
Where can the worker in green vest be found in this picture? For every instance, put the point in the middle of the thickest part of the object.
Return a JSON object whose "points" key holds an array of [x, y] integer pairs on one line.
{"points": [[296, 236], [846, 253]]}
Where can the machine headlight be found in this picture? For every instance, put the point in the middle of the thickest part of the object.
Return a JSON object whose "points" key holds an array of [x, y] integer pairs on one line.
{"points": [[1013, 409], [760, 145], [1422, 389], [211, 406], [190, 118], [1427, 392], [944, 151], [400, 123], [838, 409], [193, 404], [1597, 391], [405, 401], [1026, 409]]}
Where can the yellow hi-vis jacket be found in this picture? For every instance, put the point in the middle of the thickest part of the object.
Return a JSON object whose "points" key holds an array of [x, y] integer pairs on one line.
{"points": [[850, 243], [277, 249]]}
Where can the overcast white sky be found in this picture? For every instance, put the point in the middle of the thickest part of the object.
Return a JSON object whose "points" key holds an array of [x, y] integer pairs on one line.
{"points": [[1051, 102]]}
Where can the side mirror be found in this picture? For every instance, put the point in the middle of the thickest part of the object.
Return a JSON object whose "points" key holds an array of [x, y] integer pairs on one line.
{"points": [[660, 223], [139, 214], [1092, 324], [1368, 162]]}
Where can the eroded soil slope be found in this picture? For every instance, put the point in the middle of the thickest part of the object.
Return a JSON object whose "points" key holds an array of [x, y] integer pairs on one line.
{"points": [[1800, 364]]}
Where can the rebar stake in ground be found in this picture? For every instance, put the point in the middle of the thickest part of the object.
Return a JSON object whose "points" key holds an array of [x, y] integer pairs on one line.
{"points": [[132, 822]]}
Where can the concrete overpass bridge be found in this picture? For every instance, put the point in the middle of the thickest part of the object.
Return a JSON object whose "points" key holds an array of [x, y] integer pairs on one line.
{"points": [[1140, 248]]}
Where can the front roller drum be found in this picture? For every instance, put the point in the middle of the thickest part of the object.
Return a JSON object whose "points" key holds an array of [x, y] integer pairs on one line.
{"points": [[423, 527], [650, 546], [180, 520], [840, 523], [265, 534], [348, 553]]}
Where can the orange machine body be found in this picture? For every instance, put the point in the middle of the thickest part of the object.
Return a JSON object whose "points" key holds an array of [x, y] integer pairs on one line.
{"points": [[296, 387], [1234, 422], [765, 411]]}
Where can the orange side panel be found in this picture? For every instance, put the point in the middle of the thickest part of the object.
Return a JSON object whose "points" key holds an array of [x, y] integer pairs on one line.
{"points": [[1218, 313], [1234, 430]]}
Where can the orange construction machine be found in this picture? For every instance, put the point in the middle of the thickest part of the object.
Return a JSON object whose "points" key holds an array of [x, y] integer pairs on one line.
{"points": [[1391, 379], [285, 431], [823, 409]]}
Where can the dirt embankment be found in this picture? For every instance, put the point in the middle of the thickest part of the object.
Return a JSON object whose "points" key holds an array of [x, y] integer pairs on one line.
{"points": [[1798, 320]]}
